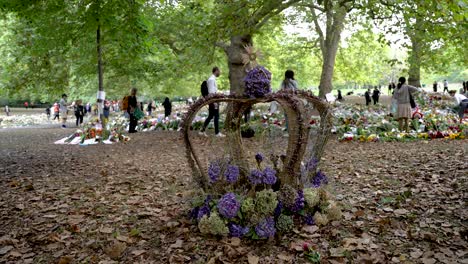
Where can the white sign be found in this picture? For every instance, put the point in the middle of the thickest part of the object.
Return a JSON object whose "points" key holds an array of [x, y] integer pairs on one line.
{"points": [[330, 97], [101, 95]]}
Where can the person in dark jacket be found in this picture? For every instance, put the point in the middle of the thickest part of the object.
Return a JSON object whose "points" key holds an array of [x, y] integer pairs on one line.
{"points": [[106, 109], [368, 97], [340, 97], [167, 107], [376, 95], [132, 105], [79, 112]]}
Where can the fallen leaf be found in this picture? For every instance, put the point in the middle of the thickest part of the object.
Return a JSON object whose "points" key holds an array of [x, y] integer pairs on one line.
{"points": [[285, 257], [138, 252], [50, 216], [124, 239], [115, 250], [310, 229], [337, 252], [15, 254], [106, 230], [177, 244], [235, 241], [252, 259], [400, 211], [428, 261], [65, 260], [416, 254], [5, 249]]}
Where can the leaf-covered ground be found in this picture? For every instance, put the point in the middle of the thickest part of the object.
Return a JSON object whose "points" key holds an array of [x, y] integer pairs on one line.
{"points": [[403, 203]]}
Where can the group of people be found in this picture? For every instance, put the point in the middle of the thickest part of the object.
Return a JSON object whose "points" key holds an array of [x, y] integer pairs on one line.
{"points": [[375, 96], [134, 110]]}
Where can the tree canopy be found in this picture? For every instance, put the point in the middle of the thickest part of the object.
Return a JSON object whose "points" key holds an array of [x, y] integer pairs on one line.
{"points": [[169, 47]]}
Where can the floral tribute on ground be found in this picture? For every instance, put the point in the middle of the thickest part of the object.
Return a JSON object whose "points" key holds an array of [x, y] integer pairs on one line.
{"points": [[263, 195]]}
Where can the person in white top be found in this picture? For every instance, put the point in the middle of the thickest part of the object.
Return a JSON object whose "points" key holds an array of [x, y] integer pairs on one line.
{"points": [[213, 109], [462, 103], [445, 86], [7, 110], [63, 110]]}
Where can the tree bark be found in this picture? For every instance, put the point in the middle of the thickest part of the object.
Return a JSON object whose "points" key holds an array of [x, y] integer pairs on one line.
{"points": [[330, 47], [100, 102], [237, 71], [414, 59]]}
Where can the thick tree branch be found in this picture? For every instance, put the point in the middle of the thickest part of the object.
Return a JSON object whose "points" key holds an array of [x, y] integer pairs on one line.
{"points": [[269, 11], [222, 45], [318, 29]]}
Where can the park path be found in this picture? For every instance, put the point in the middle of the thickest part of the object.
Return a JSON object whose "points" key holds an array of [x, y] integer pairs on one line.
{"points": [[403, 202]]}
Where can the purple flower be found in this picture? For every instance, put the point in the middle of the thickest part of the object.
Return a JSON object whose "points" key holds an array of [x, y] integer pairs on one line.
{"points": [[257, 82], [309, 220], [237, 230], [203, 210], [269, 176], [300, 202], [311, 164], [208, 199], [228, 206], [259, 157], [193, 214], [256, 177], [266, 228], [214, 170], [231, 173], [319, 179], [278, 209]]}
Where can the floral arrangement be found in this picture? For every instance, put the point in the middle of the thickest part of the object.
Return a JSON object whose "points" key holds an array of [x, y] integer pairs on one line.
{"points": [[371, 124], [261, 207], [257, 82]]}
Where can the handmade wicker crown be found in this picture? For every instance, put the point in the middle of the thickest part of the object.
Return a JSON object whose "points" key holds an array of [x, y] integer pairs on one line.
{"points": [[304, 143]]}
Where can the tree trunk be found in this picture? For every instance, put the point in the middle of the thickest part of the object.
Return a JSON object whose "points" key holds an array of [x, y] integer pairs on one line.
{"points": [[414, 59], [328, 67], [237, 71], [330, 48], [100, 101], [237, 74]]}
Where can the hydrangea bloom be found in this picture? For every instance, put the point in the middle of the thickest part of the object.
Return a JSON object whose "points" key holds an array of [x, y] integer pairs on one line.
{"points": [[237, 230], [299, 203], [269, 176], [319, 179], [259, 157], [266, 228], [285, 223], [309, 220], [256, 177], [214, 170], [311, 196], [202, 211], [248, 206], [257, 82], [311, 164], [232, 173], [287, 195], [266, 202], [228, 206], [213, 225], [278, 209]]}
